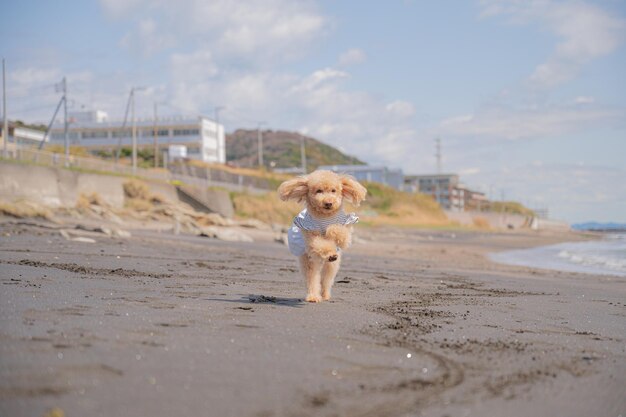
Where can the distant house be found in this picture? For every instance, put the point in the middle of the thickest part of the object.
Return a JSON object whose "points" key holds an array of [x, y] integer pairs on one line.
{"points": [[380, 174], [447, 190], [203, 138]]}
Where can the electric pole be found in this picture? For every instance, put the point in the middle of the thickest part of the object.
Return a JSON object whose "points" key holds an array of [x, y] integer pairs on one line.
{"points": [[217, 134], [65, 124], [133, 130], [134, 126], [260, 144], [5, 122], [438, 154], [302, 154], [156, 143]]}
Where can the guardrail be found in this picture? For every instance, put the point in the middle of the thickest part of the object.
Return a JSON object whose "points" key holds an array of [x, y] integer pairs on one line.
{"points": [[79, 162], [98, 165]]}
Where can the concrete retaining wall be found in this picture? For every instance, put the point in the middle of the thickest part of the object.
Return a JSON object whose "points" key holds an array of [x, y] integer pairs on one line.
{"points": [[56, 187]]}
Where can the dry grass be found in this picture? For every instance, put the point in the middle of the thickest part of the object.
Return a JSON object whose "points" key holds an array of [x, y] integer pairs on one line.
{"points": [[388, 206], [85, 201], [481, 223], [136, 189], [138, 204], [74, 150], [267, 208], [25, 209], [139, 190], [383, 206]]}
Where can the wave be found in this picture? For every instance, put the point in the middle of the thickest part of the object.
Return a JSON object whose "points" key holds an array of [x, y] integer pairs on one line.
{"points": [[606, 256]]}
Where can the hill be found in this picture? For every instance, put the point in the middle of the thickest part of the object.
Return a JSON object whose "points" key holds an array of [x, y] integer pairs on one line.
{"points": [[282, 148]]}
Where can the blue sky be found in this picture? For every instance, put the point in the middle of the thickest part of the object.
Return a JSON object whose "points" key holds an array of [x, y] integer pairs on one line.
{"points": [[528, 97]]}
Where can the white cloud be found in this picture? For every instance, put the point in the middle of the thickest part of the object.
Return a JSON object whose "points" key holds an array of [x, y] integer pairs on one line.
{"points": [[33, 75], [584, 100], [585, 32], [252, 31], [352, 57], [401, 108], [542, 122], [466, 172]]}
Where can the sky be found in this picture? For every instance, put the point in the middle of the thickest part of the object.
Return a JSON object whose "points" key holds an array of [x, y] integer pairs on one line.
{"points": [[528, 97]]}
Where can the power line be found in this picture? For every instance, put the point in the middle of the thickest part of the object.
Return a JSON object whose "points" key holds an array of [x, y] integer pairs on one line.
{"points": [[438, 154]]}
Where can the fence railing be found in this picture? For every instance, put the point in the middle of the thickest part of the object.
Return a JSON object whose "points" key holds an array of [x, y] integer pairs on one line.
{"points": [[233, 183]]}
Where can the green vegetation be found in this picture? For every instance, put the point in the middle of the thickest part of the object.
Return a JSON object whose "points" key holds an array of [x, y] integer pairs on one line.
{"points": [[20, 123], [282, 149], [511, 207]]}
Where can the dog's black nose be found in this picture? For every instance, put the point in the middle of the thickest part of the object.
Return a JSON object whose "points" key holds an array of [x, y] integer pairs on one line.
{"points": [[328, 205]]}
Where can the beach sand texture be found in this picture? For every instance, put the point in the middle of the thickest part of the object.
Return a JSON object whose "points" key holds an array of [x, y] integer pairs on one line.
{"points": [[420, 324]]}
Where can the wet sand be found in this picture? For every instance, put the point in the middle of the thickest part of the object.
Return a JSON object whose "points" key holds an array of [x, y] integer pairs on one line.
{"points": [[420, 324]]}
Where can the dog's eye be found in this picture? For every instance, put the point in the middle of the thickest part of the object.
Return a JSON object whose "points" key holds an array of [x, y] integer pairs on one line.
{"points": [[318, 192], [333, 190]]}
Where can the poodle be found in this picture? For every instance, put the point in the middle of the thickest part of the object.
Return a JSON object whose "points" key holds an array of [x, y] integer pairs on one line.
{"points": [[322, 230]]}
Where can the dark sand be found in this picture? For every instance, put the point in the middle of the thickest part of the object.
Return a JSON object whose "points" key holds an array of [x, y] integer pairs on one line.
{"points": [[421, 324]]}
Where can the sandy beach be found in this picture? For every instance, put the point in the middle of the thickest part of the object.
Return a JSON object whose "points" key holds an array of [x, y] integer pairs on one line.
{"points": [[421, 324]]}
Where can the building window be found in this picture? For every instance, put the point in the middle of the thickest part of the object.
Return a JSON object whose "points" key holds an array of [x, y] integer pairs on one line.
{"points": [[121, 134], [95, 134], [186, 132]]}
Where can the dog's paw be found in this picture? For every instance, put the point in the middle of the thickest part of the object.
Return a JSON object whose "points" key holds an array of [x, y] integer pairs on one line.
{"points": [[339, 234], [333, 258], [325, 295], [313, 298]]}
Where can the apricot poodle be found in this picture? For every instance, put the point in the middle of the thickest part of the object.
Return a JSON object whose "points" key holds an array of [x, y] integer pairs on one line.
{"points": [[322, 230]]}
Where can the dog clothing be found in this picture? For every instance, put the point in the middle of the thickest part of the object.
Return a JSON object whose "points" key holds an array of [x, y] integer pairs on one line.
{"points": [[304, 221]]}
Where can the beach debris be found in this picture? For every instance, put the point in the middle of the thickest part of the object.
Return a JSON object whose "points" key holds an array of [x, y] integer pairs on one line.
{"points": [[254, 224], [262, 298], [85, 232], [230, 235], [83, 240]]}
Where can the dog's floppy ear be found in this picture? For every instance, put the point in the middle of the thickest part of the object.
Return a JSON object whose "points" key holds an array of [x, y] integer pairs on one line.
{"points": [[294, 189], [352, 190]]}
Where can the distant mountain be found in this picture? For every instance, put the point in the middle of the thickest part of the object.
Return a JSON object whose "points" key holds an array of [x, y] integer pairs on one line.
{"points": [[600, 226], [282, 148]]}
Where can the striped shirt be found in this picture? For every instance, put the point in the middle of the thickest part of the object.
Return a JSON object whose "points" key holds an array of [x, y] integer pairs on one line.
{"points": [[304, 221]]}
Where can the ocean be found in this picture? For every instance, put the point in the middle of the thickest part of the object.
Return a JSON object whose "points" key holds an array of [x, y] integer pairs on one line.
{"points": [[606, 256]]}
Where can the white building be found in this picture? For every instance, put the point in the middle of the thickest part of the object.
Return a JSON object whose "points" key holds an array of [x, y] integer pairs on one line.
{"points": [[21, 135], [86, 116], [203, 137]]}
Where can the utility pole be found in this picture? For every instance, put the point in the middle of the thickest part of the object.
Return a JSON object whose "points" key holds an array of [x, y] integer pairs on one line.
{"points": [[438, 154], [5, 122], [217, 133], [134, 130], [122, 132], [66, 135], [260, 144], [156, 142], [302, 154]]}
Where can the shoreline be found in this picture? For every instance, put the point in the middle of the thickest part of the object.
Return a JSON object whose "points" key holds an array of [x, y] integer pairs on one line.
{"points": [[584, 257], [421, 323]]}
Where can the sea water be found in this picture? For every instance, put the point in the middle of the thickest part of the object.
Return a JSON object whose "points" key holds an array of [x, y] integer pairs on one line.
{"points": [[606, 256]]}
